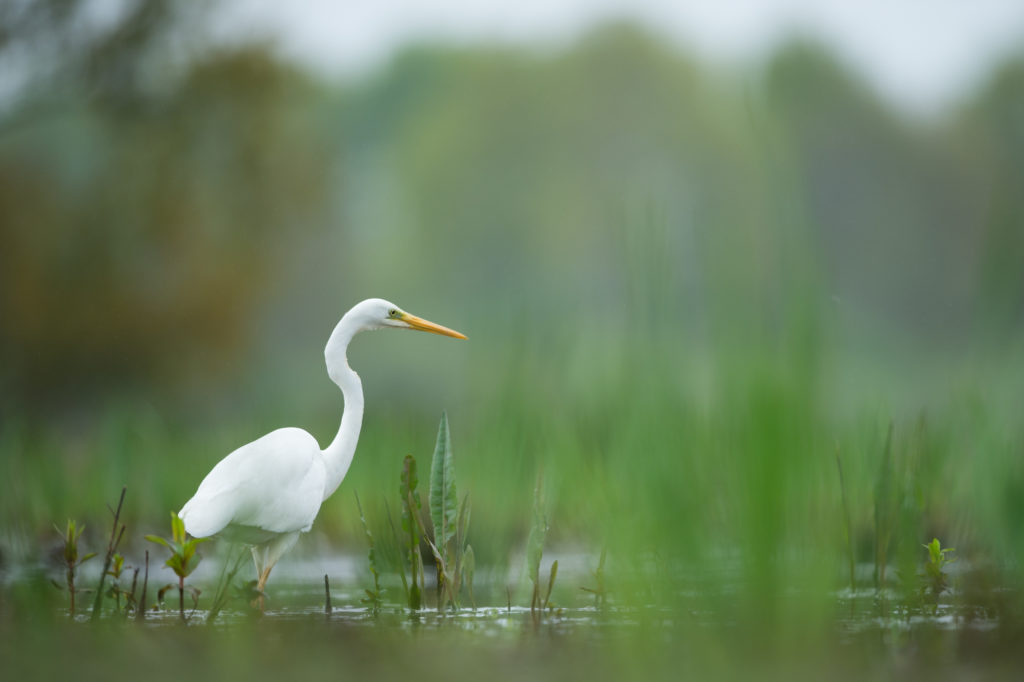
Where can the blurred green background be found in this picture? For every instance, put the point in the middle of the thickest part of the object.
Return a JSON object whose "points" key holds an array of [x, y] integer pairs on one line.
{"points": [[685, 289]]}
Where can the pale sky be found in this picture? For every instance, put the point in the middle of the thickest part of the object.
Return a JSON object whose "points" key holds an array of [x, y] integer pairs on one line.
{"points": [[920, 54]]}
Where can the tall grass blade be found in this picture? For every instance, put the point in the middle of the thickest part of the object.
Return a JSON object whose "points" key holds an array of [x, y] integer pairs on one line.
{"points": [[535, 544], [227, 576], [538, 533], [883, 511], [551, 583], [847, 526], [468, 569], [140, 609]]}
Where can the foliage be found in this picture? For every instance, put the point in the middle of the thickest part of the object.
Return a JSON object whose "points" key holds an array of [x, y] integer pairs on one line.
{"points": [[116, 535], [183, 560], [227, 577], [410, 503], [117, 592], [599, 590], [885, 510], [72, 561], [373, 597], [935, 576], [444, 501], [450, 519], [535, 550]]}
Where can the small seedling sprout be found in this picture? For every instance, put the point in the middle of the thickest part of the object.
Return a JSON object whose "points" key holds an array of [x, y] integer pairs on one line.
{"points": [[72, 561], [935, 578], [183, 560]]}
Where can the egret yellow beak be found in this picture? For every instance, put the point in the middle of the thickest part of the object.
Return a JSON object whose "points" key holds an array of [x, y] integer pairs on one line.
{"points": [[422, 325]]}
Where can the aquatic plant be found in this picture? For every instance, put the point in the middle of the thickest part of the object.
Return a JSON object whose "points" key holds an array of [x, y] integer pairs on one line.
{"points": [[466, 574], [411, 529], [599, 590], [116, 534], [183, 560], [116, 591], [884, 512], [72, 561], [847, 524], [373, 597], [227, 575], [140, 605], [451, 522], [535, 551], [443, 499], [934, 570]]}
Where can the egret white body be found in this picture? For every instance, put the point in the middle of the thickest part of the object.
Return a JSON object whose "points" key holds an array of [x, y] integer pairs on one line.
{"points": [[265, 493]]}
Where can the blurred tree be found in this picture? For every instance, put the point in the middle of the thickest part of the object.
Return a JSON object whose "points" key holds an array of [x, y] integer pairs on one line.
{"points": [[884, 197], [151, 186], [144, 197]]}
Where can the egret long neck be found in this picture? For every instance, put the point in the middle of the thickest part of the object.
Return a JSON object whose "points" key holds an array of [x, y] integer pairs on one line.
{"points": [[338, 455]]}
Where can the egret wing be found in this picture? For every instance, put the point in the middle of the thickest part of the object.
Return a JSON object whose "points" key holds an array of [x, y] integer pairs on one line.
{"points": [[272, 484]]}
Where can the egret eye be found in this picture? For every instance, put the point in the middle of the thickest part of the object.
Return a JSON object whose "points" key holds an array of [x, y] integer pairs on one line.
{"points": [[392, 313]]}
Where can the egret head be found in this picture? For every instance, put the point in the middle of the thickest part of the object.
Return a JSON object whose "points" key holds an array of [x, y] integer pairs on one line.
{"points": [[376, 313], [373, 313]]}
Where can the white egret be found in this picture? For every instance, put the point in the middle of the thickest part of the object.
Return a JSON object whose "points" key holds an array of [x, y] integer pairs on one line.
{"points": [[266, 493]]}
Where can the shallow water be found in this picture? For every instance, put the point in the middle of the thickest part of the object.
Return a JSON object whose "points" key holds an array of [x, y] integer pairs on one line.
{"points": [[296, 593]]}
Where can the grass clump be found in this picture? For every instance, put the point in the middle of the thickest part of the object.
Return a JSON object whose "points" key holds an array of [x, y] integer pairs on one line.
{"points": [[535, 551], [599, 590]]}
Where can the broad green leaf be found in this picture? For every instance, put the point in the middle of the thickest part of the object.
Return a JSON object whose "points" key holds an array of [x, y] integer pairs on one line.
{"points": [[177, 528], [160, 541], [443, 500], [174, 563], [191, 566]]}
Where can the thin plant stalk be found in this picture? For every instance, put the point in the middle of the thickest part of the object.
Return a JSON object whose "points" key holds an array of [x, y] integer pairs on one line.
{"points": [[140, 607], [115, 540]]}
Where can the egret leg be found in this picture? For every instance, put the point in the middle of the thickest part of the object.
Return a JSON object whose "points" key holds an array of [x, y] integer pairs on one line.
{"points": [[267, 555]]}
